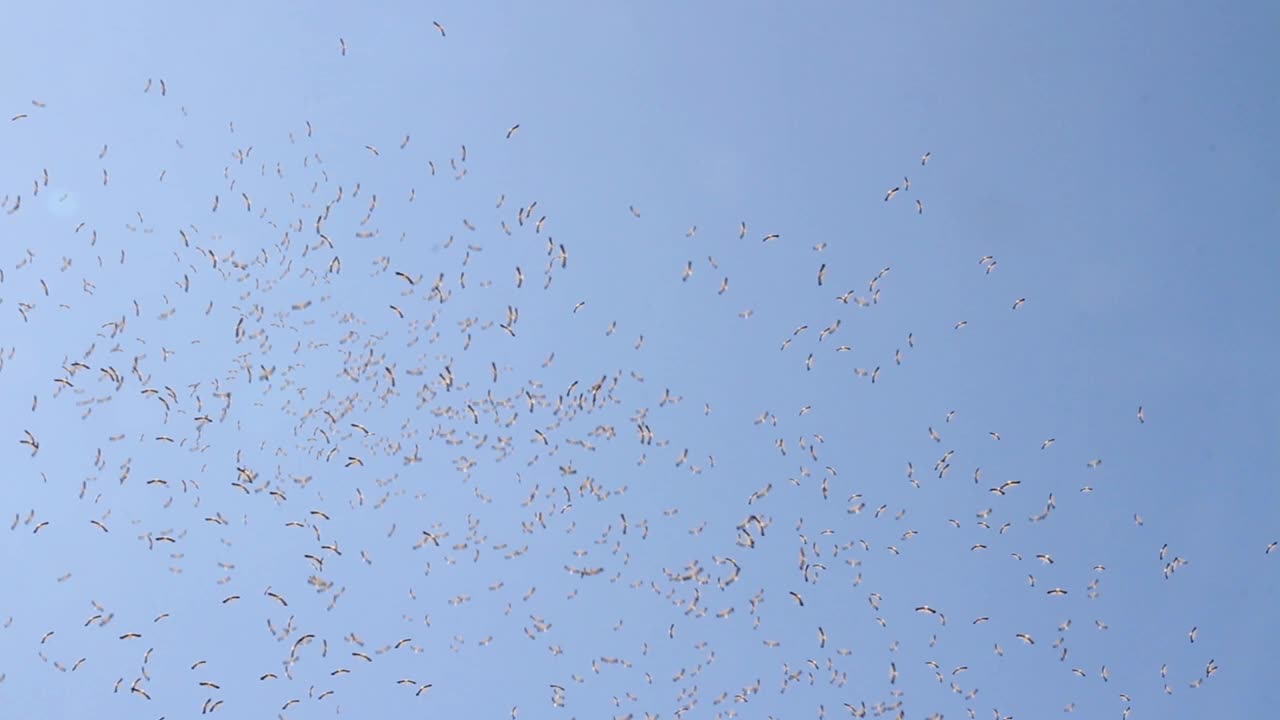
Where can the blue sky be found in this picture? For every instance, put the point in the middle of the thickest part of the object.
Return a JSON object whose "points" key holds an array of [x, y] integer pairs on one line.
{"points": [[1115, 164]]}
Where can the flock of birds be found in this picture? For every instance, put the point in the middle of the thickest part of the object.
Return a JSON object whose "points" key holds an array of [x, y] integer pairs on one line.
{"points": [[293, 404]]}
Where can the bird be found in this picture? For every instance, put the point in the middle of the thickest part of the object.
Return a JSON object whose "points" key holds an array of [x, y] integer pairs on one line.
{"points": [[891, 193], [342, 45], [439, 27], [924, 160], [1005, 486], [512, 130], [31, 441]]}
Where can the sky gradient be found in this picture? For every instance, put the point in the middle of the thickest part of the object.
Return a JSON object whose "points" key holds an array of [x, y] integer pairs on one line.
{"points": [[669, 326]]}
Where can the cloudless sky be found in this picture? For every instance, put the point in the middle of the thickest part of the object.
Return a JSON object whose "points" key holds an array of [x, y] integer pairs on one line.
{"points": [[245, 377]]}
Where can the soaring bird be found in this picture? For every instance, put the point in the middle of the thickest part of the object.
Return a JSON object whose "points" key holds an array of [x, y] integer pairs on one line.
{"points": [[31, 441]]}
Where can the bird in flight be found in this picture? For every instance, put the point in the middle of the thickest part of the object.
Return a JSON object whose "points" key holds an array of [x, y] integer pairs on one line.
{"points": [[31, 441]]}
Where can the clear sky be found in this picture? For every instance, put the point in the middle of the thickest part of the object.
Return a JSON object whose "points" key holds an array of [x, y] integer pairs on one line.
{"points": [[334, 378]]}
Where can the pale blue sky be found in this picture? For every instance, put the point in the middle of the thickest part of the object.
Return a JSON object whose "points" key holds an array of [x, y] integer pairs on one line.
{"points": [[1118, 162]]}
